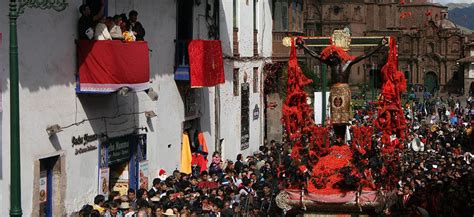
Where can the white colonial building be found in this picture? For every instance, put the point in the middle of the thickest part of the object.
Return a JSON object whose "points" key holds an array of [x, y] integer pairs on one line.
{"points": [[123, 132]]}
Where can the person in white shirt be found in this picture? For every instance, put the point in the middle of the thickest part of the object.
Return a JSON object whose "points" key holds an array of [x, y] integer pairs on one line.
{"points": [[115, 30], [101, 32]]}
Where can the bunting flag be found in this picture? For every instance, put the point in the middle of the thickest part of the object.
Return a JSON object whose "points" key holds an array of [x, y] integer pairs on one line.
{"points": [[206, 63], [186, 156]]}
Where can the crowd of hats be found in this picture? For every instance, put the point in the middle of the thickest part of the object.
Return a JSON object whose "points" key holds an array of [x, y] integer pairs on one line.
{"points": [[246, 187]]}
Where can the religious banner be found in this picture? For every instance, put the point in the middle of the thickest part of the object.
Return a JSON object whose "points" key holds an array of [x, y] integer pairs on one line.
{"points": [[206, 63], [143, 174], [104, 181], [43, 187]]}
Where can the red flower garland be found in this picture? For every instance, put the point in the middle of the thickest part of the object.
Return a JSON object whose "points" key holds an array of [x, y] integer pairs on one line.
{"points": [[391, 119]]}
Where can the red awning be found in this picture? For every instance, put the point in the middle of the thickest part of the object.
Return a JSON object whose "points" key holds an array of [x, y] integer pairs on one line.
{"points": [[205, 60], [107, 66]]}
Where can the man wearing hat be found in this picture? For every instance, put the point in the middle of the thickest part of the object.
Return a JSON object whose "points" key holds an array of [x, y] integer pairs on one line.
{"points": [[169, 212], [162, 175]]}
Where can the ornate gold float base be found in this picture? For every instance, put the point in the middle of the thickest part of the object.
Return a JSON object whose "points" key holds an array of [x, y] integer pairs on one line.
{"points": [[367, 202], [340, 99]]}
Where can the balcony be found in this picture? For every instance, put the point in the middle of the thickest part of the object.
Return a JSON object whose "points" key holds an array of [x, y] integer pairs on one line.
{"points": [[182, 68], [107, 66]]}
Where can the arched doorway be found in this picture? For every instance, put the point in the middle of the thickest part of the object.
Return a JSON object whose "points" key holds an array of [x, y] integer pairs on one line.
{"points": [[431, 82]]}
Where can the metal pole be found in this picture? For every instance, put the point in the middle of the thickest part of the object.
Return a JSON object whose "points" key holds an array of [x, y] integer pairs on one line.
{"points": [[15, 185], [323, 87], [372, 84]]}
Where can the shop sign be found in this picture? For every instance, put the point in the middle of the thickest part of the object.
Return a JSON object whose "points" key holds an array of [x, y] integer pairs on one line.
{"points": [[143, 174], [104, 181], [84, 143], [119, 150], [43, 187], [244, 116]]}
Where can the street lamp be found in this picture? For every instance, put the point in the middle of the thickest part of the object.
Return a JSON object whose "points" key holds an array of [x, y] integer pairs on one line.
{"points": [[15, 11]]}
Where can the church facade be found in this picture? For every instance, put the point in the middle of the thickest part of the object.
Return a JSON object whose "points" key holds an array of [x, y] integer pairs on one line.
{"points": [[429, 43]]}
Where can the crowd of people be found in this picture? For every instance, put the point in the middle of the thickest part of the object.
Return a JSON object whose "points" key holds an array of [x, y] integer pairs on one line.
{"points": [[435, 177], [247, 187], [94, 25], [436, 174]]}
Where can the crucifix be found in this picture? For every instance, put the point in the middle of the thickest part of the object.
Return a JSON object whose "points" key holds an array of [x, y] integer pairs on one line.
{"points": [[340, 62]]}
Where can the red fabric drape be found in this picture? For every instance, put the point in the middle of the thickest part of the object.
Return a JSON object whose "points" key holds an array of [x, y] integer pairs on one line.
{"points": [[199, 160], [106, 66], [202, 142], [205, 60]]}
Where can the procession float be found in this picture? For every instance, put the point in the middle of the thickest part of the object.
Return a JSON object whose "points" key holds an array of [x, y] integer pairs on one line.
{"points": [[324, 172]]}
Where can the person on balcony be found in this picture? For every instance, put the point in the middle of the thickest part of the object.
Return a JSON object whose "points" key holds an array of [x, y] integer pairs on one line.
{"points": [[101, 31], [88, 20], [115, 30], [134, 26]]}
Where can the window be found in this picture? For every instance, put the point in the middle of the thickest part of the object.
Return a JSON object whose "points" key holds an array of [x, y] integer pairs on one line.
{"points": [[280, 15], [235, 81]]}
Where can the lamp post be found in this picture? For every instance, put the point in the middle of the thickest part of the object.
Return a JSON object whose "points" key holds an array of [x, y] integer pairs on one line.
{"points": [[15, 184], [15, 180]]}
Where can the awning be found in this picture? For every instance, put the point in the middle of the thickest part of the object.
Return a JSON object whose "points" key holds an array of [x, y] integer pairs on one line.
{"points": [[205, 60], [107, 66]]}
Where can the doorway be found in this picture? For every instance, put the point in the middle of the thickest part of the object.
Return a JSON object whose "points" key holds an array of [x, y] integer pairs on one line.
{"points": [[49, 175], [123, 165], [431, 82]]}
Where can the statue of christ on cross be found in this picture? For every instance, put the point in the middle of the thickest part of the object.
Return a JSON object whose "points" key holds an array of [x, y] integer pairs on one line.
{"points": [[340, 62], [340, 65]]}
